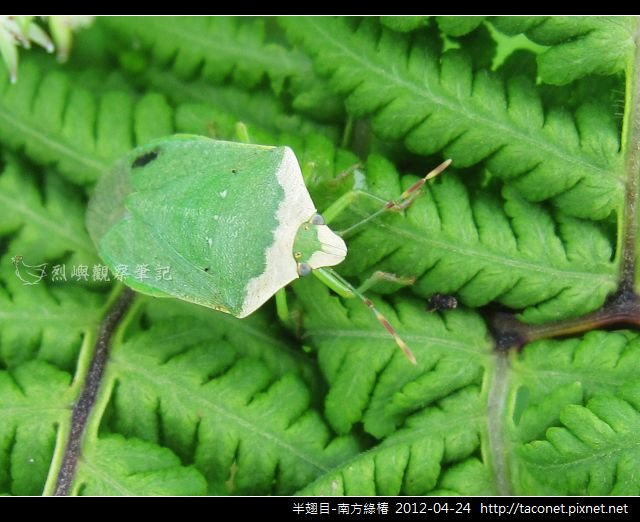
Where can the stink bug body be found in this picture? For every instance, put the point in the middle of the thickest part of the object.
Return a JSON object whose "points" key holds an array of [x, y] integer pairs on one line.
{"points": [[231, 223]]}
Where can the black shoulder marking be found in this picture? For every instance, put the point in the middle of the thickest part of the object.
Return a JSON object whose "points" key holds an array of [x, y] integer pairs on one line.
{"points": [[145, 159]]}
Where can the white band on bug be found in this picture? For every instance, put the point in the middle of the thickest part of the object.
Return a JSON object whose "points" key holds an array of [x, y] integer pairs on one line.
{"points": [[295, 209]]}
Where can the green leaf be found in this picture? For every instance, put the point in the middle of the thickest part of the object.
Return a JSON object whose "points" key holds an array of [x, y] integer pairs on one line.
{"points": [[484, 248], [404, 24], [45, 318], [553, 374], [73, 129], [34, 402], [458, 25], [435, 102], [595, 452], [576, 415], [450, 350], [46, 323], [116, 466], [433, 454], [261, 109], [535, 219], [220, 48], [245, 427], [55, 211], [578, 45]]}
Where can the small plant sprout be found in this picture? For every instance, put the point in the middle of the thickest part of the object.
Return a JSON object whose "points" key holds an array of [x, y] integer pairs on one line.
{"points": [[24, 30], [230, 224]]}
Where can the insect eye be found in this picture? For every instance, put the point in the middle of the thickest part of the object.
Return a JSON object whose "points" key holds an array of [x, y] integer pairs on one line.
{"points": [[304, 269], [317, 219]]}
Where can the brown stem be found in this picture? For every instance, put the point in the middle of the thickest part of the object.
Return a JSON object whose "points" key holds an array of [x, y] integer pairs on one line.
{"points": [[623, 309], [86, 400]]}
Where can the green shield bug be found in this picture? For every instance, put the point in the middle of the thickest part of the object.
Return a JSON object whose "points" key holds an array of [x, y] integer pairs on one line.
{"points": [[233, 222]]}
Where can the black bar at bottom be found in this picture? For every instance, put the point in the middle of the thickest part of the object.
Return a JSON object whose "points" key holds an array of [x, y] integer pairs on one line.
{"points": [[307, 509]]}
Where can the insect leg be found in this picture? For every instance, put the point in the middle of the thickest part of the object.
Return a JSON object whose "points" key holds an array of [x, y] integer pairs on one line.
{"points": [[343, 288], [282, 308], [344, 202], [403, 202], [242, 133], [379, 276]]}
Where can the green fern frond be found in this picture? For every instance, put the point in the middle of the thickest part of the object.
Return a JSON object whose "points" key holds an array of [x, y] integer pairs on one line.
{"points": [[72, 129], [459, 25], [43, 222], [202, 47], [48, 221], [575, 414], [432, 454], [46, 323], [261, 109], [451, 351], [82, 134], [436, 103], [483, 248], [578, 45], [192, 43], [113, 465], [534, 215], [267, 341], [550, 375], [404, 24], [595, 452], [245, 428], [34, 403]]}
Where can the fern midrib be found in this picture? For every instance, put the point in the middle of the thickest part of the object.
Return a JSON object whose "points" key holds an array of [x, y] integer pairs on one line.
{"points": [[120, 365], [581, 162], [242, 326], [250, 330], [436, 429], [628, 225], [46, 223], [214, 334], [238, 54], [495, 259], [20, 411], [434, 342], [594, 455], [60, 148], [89, 469], [606, 376], [68, 318], [244, 329]]}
